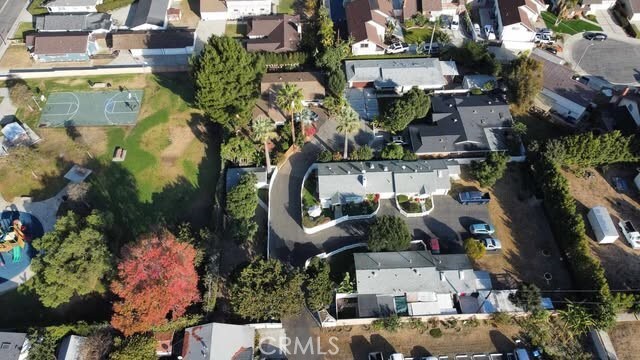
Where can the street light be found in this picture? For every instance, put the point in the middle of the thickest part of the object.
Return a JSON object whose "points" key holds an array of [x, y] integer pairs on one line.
{"points": [[583, 54]]}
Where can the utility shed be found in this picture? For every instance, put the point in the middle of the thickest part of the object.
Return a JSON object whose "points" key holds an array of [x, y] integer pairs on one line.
{"points": [[602, 225]]}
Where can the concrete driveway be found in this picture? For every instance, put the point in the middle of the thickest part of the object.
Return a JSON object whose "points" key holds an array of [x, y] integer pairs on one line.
{"points": [[608, 24], [615, 59]]}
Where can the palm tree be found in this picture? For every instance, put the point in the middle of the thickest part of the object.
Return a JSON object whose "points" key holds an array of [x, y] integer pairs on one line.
{"points": [[289, 98], [348, 123], [577, 320], [264, 130]]}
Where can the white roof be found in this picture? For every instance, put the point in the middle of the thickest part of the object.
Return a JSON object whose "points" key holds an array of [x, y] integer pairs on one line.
{"points": [[70, 347]]}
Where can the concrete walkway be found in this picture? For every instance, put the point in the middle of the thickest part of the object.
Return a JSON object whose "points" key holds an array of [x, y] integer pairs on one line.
{"points": [[608, 25], [6, 106]]}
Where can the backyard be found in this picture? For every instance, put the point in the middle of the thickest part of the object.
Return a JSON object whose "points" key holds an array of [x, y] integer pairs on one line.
{"points": [[235, 29], [624, 337], [568, 26]]}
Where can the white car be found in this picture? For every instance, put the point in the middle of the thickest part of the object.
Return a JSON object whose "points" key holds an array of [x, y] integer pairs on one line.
{"points": [[543, 39], [481, 229], [455, 22], [397, 48], [491, 244], [488, 32]]}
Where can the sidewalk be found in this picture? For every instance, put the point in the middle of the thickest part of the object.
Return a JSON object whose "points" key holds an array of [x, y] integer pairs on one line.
{"points": [[23, 17]]}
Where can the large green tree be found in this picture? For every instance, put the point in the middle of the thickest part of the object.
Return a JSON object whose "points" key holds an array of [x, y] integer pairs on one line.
{"points": [[242, 199], [319, 287], [226, 78], [348, 122], [331, 58], [325, 28], [487, 172], [264, 130], [389, 233], [239, 150], [524, 81], [289, 99], [527, 297], [74, 260], [392, 152], [474, 56], [413, 105], [267, 289]]}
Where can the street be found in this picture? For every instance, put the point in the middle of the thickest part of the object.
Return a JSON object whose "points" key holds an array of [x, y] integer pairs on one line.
{"points": [[9, 11]]}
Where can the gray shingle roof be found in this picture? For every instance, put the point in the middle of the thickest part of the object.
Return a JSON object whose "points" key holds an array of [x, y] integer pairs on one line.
{"points": [[152, 12], [234, 175], [397, 72], [215, 341], [11, 345], [462, 123], [73, 22], [390, 176]]}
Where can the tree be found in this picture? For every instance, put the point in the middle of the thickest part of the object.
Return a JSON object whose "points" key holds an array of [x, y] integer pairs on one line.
{"points": [[277, 288], [325, 28], [242, 199], [239, 150], [389, 233], [75, 259], [78, 192], [337, 82], [346, 286], [392, 152], [334, 104], [527, 297], [524, 81], [242, 230], [137, 347], [319, 287], [226, 80], [564, 8], [264, 130], [362, 153], [289, 98], [475, 56], [474, 249], [409, 155], [348, 123], [519, 128], [577, 319], [331, 58], [325, 156], [157, 279], [487, 172], [413, 105]]}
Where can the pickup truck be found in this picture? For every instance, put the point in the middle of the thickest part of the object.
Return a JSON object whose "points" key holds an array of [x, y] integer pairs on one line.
{"points": [[474, 197], [630, 233]]}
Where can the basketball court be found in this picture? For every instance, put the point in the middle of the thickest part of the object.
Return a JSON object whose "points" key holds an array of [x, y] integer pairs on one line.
{"points": [[95, 108]]}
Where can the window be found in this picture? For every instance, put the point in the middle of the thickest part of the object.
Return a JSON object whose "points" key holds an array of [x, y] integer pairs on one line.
{"points": [[364, 45]]}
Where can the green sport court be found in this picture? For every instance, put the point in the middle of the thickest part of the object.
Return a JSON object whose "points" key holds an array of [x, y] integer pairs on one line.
{"points": [[95, 108]]}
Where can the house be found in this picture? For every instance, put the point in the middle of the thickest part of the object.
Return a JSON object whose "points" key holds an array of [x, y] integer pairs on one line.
{"points": [[70, 347], [431, 9], [234, 175], [213, 10], [144, 43], [516, 22], [149, 15], [463, 125], [561, 95], [350, 182], [310, 83], [58, 47], [627, 114], [631, 9], [14, 346], [174, 14], [399, 75], [483, 82], [239, 9], [413, 283], [591, 6], [217, 341], [72, 6], [367, 24], [274, 33], [92, 22]]}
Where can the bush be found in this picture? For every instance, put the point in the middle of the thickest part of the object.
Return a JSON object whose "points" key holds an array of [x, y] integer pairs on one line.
{"points": [[391, 323], [337, 82], [491, 169], [436, 333], [362, 153], [474, 249], [409, 155], [403, 198], [325, 156], [501, 318], [392, 152]]}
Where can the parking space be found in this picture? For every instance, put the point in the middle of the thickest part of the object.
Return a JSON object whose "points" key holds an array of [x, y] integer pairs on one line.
{"points": [[364, 102]]}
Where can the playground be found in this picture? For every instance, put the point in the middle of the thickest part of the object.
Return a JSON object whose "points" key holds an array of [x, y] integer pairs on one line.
{"points": [[91, 108], [17, 230]]}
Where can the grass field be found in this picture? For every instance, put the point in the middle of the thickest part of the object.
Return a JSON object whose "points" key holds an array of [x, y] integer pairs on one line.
{"points": [[417, 35], [568, 26], [235, 29], [22, 28], [286, 6], [169, 153]]}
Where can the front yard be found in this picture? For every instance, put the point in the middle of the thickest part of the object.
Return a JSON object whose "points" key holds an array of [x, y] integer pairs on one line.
{"points": [[568, 26]]}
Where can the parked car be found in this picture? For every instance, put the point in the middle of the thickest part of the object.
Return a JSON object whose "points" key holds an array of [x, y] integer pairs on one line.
{"points": [[476, 29], [597, 36], [552, 49], [455, 22], [491, 244], [544, 31], [521, 354], [397, 48], [543, 39], [488, 32], [434, 246], [474, 197], [481, 229], [630, 233], [375, 356]]}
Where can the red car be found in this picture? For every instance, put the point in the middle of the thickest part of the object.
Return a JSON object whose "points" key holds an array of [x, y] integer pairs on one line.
{"points": [[434, 246]]}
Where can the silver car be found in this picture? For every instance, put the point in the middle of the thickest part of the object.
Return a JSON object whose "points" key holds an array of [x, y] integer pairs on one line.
{"points": [[491, 243], [481, 229]]}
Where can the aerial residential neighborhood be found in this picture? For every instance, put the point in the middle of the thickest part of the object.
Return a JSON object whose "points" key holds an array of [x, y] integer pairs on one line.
{"points": [[303, 179]]}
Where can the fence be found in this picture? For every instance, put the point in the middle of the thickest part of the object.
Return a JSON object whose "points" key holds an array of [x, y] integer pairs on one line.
{"points": [[89, 71], [420, 214], [325, 255], [459, 317]]}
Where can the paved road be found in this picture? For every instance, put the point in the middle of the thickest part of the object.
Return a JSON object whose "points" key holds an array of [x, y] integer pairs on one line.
{"points": [[615, 59], [9, 11]]}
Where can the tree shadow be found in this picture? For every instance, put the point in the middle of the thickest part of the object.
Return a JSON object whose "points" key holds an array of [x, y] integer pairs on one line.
{"points": [[180, 84], [501, 342], [379, 343], [418, 351]]}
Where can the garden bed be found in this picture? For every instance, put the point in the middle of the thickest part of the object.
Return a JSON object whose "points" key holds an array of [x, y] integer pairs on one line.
{"points": [[412, 206]]}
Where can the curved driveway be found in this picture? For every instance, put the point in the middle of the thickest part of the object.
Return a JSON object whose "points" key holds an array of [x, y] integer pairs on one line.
{"points": [[617, 59]]}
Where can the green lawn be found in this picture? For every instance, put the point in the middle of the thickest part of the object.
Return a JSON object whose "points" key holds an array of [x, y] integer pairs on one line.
{"points": [[235, 29], [568, 26], [417, 35], [286, 7], [35, 8], [23, 27]]}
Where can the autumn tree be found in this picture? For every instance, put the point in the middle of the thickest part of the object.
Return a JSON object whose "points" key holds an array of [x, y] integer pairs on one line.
{"points": [[226, 78], [267, 289], [524, 81], [156, 281], [75, 259], [474, 248]]}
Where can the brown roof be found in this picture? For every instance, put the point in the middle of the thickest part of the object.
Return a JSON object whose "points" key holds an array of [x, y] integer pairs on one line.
{"points": [[212, 6], [431, 5], [274, 33], [509, 12], [409, 8], [558, 79], [311, 83], [359, 12], [60, 43], [171, 39], [635, 6]]}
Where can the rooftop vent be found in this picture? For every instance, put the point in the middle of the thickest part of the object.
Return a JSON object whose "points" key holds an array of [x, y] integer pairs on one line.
{"points": [[450, 105], [386, 168], [475, 111], [455, 120], [363, 171], [489, 102], [461, 274], [403, 167], [348, 171], [279, 77], [371, 166]]}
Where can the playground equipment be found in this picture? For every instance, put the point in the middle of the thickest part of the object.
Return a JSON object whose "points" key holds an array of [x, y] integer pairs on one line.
{"points": [[13, 240]]}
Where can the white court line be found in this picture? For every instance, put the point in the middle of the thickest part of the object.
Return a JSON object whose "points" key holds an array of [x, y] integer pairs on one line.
{"points": [[112, 102], [121, 112], [77, 103]]}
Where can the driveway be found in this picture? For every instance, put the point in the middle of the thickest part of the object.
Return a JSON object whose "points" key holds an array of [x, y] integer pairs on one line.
{"points": [[364, 102], [615, 59], [608, 25]]}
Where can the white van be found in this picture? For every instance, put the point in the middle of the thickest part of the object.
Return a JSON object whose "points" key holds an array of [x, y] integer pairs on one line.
{"points": [[455, 22]]}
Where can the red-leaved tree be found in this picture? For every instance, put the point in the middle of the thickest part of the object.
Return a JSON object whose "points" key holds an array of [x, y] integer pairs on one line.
{"points": [[156, 281]]}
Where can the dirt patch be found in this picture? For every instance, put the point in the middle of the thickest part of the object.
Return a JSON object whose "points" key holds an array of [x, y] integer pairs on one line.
{"points": [[528, 247], [356, 342], [620, 261], [624, 337], [95, 138], [17, 57], [179, 139]]}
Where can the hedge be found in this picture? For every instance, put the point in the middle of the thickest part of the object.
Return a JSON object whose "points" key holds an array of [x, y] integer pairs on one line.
{"points": [[284, 60], [109, 5]]}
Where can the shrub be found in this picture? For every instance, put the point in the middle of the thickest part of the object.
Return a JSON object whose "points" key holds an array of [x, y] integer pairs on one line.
{"points": [[491, 169], [391, 323], [474, 249], [392, 152], [409, 155], [362, 153], [325, 156], [337, 82], [403, 198], [436, 332], [501, 318]]}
